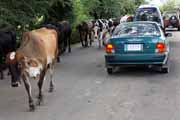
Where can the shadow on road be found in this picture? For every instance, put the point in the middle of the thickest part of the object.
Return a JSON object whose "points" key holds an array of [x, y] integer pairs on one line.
{"points": [[135, 71]]}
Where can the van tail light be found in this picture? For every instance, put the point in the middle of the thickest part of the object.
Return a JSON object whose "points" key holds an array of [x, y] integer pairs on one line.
{"points": [[109, 48], [160, 47]]}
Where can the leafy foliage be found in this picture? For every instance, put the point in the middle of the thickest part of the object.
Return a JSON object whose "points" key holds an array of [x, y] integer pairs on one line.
{"points": [[60, 10], [170, 5], [22, 12], [29, 14], [110, 8], [80, 13]]}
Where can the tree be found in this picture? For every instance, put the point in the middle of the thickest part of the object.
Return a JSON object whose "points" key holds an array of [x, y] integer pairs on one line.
{"points": [[169, 5], [79, 12], [60, 10], [22, 12], [110, 8], [30, 14]]}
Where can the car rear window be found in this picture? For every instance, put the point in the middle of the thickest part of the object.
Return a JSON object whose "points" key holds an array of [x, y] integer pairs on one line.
{"points": [[147, 14], [137, 29], [170, 14]]}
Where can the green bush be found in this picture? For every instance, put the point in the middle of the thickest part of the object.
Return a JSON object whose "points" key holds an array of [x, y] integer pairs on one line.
{"points": [[26, 15]]}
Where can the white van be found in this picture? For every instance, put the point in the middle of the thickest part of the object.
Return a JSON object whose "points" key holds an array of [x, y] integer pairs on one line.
{"points": [[149, 13]]}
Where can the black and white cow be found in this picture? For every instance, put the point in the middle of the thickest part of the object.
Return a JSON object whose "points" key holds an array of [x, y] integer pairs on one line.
{"points": [[8, 44], [102, 30]]}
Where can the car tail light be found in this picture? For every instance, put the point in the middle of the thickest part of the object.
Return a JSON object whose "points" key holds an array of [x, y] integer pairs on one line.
{"points": [[109, 48], [160, 47]]}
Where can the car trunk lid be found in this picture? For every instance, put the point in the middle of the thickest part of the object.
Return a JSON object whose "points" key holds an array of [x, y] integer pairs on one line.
{"points": [[139, 45]]}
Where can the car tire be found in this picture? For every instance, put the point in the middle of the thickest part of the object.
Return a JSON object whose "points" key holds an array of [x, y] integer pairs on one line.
{"points": [[179, 28], [110, 71], [164, 70]]}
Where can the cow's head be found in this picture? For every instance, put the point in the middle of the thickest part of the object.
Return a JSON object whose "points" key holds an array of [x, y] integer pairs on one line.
{"points": [[29, 67], [15, 73], [96, 31]]}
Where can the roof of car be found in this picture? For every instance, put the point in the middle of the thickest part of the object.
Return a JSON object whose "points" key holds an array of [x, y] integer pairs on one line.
{"points": [[148, 6], [143, 22]]}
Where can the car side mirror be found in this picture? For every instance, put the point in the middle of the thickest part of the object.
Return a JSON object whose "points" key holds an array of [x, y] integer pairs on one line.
{"points": [[168, 34]]}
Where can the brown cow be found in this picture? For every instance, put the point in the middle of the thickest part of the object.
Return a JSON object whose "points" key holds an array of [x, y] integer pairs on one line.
{"points": [[37, 53], [85, 32]]}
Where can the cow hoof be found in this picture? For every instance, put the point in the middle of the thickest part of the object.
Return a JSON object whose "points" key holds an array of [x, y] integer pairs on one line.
{"points": [[1, 77], [32, 108], [58, 59], [40, 100], [8, 73], [16, 84], [51, 89]]}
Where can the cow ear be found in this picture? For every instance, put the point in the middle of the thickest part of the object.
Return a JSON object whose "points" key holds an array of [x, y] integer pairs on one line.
{"points": [[11, 58]]}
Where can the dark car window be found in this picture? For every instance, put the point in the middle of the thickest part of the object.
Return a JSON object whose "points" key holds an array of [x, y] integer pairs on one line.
{"points": [[137, 29], [147, 14]]}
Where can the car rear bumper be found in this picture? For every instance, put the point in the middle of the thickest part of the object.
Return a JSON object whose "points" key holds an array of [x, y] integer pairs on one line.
{"points": [[172, 26], [136, 59]]}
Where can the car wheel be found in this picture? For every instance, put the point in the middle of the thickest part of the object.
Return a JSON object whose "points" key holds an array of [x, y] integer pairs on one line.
{"points": [[164, 70], [179, 28], [109, 71]]}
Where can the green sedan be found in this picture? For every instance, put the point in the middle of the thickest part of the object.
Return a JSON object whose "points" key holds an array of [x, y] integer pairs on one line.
{"points": [[138, 43]]}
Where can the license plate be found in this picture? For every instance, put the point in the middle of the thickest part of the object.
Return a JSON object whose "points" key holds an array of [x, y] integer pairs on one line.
{"points": [[170, 26], [133, 47]]}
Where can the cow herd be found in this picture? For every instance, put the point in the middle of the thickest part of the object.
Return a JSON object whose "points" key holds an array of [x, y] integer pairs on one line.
{"points": [[35, 55], [39, 49], [96, 30]]}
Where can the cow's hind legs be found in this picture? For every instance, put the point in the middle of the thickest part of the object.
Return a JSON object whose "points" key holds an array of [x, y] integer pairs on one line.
{"points": [[58, 59], [2, 75], [81, 39], [40, 84], [86, 40], [90, 38], [28, 89], [1, 72], [69, 44], [58, 56], [51, 87], [99, 41]]}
